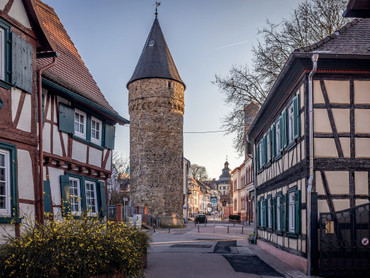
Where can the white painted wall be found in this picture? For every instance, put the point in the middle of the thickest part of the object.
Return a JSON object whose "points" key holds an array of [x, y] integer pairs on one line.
{"points": [[46, 138], [57, 147], [25, 177], [25, 118], [79, 151], [19, 13], [16, 95], [95, 156], [54, 178]]}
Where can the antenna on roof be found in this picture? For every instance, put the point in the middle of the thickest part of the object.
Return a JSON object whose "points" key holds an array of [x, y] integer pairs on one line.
{"points": [[157, 4]]}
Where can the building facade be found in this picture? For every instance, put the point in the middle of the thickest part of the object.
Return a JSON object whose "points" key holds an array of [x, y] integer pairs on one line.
{"points": [[312, 143], [56, 127]]}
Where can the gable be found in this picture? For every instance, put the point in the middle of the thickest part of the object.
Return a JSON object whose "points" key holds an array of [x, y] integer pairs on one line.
{"points": [[19, 13]]}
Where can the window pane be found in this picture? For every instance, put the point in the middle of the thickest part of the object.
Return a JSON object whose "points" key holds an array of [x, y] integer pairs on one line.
{"points": [[2, 203], [2, 174], [2, 189], [2, 160]]}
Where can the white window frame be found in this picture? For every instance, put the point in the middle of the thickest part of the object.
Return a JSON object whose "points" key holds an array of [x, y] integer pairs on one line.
{"points": [[291, 212], [291, 123], [78, 132], [2, 54], [6, 210], [278, 220], [88, 198], [78, 196], [94, 139], [269, 215], [277, 138]]}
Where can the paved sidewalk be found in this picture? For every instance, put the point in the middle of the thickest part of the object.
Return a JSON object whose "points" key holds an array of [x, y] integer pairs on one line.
{"points": [[190, 253]]}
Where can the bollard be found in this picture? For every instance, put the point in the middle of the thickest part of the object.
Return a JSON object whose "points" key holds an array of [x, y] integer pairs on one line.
{"points": [[242, 230], [169, 228], [198, 228], [227, 229]]}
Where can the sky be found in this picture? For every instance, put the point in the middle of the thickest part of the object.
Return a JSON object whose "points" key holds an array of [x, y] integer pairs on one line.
{"points": [[205, 38]]}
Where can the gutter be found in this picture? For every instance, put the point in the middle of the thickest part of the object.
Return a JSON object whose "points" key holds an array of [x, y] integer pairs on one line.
{"points": [[40, 198], [314, 59]]}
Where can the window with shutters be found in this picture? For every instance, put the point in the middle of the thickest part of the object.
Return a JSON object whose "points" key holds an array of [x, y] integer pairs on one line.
{"points": [[96, 130], [80, 124], [291, 212], [268, 147], [91, 198], [75, 196], [277, 138], [261, 213], [4, 52], [278, 213], [4, 183], [291, 123], [8, 179], [83, 194], [269, 212], [294, 211]]}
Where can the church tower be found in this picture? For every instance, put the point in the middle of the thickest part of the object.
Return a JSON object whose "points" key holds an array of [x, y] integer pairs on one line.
{"points": [[156, 107]]}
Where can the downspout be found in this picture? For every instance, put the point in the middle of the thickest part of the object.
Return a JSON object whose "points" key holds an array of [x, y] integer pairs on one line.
{"points": [[41, 150], [254, 187], [314, 59]]}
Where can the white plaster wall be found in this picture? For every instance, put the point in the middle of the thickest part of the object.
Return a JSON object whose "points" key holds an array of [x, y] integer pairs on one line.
{"points": [[362, 120], [362, 89], [48, 114], [317, 93], [46, 138], [341, 204], [54, 178], [79, 151], [346, 146], [6, 230], [323, 206], [321, 121], [363, 147], [65, 141], [2, 4], [362, 182], [57, 146], [95, 157], [19, 13], [325, 147], [108, 166], [25, 118], [338, 181], [27, 211], [338, 91], [25, 177], [341, 119], [16, 95]]}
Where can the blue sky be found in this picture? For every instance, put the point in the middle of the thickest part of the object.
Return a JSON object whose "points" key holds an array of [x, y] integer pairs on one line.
{"points": [[205, 37]]}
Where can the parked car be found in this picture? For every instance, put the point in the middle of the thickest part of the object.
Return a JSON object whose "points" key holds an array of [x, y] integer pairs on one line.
{"points": [[201, 218]]}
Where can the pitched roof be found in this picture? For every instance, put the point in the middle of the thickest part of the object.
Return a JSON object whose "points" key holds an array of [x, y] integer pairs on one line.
{"points": [[156, 60], [69, 71], [353, 38]]}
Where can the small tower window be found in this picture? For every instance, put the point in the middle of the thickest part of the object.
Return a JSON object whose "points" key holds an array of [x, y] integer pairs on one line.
{"points": [[151, 43], [169, 84]]}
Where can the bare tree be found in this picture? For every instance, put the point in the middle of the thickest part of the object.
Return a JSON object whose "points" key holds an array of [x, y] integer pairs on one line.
{"points": [[310, 22], [198, 172], [120, 170]]}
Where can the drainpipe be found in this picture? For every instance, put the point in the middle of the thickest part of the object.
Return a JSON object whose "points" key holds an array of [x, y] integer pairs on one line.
{"points": [[314, 59], [41, 151]]}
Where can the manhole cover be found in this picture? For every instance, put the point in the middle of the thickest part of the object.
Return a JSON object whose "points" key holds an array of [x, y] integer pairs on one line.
{"points": [[190, 246], [251, 264]]}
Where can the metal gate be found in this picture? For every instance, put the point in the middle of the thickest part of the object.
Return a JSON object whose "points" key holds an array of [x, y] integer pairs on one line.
{"points": [[344, 243]]}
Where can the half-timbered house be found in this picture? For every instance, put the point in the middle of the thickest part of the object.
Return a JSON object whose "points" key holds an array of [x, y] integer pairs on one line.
{"points": [[56, 127], [312, 156]]}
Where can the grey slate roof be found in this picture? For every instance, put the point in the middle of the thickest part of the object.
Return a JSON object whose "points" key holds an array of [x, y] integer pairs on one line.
{"points": [[155, 60], [353, 38]]}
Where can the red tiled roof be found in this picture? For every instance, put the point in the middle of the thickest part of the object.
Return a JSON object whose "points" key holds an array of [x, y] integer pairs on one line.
{"points": [[69, 71]]}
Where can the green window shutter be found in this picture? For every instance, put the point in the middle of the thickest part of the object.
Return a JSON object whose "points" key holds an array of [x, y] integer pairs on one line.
{"points": [[297, 121], [83, 193], [102, 200], [282, 214], [273, 213], [258, 156], [22, 58], [297, 211], [64, 189], [109, 136], [281, 135], [259, 213], [264, 211], [47, 197], [273, 141], [285, 129], [66, 118]]}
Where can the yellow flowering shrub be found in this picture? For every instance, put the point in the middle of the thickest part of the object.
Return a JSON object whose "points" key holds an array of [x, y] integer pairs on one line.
{"points": [[80, 247]]}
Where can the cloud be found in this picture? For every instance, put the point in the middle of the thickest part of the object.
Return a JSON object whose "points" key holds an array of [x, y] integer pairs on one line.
{"points": [[233, 44]]}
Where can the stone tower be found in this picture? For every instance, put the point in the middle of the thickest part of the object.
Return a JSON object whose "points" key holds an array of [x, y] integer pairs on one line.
{"points": [[156, 107]]}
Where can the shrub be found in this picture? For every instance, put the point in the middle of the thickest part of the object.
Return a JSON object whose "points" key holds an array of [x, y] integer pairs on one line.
{"points": [[74, 248]]}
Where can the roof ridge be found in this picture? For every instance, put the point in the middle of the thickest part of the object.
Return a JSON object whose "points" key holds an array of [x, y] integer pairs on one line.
{"points": [[330, 37]]}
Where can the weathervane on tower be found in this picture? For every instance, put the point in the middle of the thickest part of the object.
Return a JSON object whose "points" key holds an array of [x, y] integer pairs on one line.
{"points": [[157, 4]]}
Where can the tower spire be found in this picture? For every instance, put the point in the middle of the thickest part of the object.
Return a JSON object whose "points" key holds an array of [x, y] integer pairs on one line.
{"points": [[157, 4]]}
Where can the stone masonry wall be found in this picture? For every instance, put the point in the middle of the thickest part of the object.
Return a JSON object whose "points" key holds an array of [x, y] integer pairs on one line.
{"points": [[156, 145]]}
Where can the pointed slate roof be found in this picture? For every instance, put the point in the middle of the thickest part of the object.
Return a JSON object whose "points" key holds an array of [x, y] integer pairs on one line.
{"points": [[155, 60]]}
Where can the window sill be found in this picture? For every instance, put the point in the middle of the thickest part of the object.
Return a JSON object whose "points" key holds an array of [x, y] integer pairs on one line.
{"points": [[5, 85], [291, 145], [292, 235], [279, 233], [10, 220], [87, 142]]}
